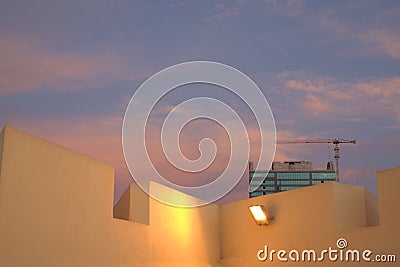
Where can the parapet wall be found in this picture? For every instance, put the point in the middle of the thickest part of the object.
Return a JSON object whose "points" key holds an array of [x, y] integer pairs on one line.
{"points": [[315, 218], [56, 210]]}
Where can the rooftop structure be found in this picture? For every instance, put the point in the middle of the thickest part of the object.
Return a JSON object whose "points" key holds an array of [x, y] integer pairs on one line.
{"points": [[287, 175], [292, 166], [56, 209]]}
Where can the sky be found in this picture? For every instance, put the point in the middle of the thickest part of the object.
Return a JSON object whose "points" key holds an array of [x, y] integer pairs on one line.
{"points": [[329, 69]]}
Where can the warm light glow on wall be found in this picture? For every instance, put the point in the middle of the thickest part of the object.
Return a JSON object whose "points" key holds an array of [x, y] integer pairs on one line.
{"points": [[259, 214]]}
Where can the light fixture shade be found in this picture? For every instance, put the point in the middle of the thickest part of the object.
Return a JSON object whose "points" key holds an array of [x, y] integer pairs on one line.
{"points": [[260, 215]]}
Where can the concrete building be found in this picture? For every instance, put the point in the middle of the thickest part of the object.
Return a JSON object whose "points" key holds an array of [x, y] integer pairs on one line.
{"points": [[292, 166], [287, 175], [56, 209]]}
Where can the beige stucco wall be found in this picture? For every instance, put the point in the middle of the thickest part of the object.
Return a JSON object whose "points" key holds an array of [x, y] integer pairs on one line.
{"points": [[315, 218], [178, 236], [133, 206], [1, 149], [56, 210], [183, 236]]}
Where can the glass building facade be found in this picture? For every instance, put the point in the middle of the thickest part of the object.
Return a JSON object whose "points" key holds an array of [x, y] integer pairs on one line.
{"points": [[277, 181]]}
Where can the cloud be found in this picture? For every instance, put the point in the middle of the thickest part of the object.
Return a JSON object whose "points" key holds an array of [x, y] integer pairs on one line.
{"points": [[26, 67], [360, 176], [353, 175], [222, 11], [383, 42], [291, 8], [343, 23], [317, 105], [392, 127], [307, 86], [290, 152], [356, 119], [285, 122], [100, 138], [350, 100], [96, 137]]}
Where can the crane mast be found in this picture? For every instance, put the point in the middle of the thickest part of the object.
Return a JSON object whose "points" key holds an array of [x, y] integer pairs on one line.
{"points": [[335, 142]]}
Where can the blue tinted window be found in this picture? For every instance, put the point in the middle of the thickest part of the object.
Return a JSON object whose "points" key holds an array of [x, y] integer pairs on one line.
{"points": [[293, 175], [294, 182]]}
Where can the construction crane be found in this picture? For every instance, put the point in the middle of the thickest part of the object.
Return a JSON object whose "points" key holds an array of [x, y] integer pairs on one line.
{"points": [[335, 142]]}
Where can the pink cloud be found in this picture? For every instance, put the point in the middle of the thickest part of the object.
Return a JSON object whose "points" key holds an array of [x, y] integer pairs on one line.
{"points": [[393, 127], [96, 137], [358, 176], [317, 105], [26, 67], [100, 138], [384, 41], [307, 86], [327, 96]]}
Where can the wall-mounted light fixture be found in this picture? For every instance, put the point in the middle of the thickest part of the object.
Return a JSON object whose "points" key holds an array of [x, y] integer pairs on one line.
{"points": [[260, 215]]}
